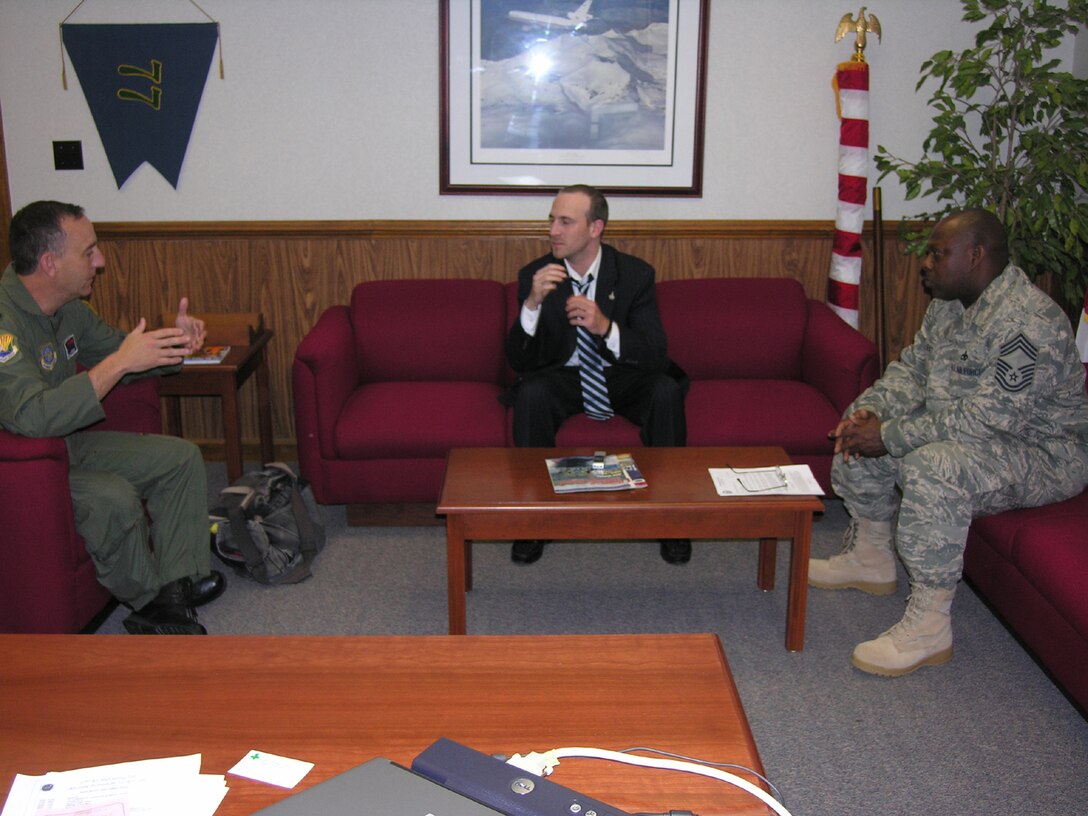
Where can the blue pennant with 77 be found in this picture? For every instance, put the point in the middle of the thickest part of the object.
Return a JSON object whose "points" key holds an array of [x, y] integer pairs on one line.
{"points": [[143, 84]]}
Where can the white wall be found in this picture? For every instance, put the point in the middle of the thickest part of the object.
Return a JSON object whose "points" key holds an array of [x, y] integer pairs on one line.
{"points": [[329, 110]]}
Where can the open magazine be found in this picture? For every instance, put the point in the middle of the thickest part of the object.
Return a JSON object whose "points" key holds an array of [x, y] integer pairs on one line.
{"points": [[577, 474]]}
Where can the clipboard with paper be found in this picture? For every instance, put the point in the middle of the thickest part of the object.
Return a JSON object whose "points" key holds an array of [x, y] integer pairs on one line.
{"points": [[779, 480]]}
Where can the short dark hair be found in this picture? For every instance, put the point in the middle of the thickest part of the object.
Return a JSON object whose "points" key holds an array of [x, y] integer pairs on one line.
{"points": [[36, 229], [986, 230], [598, 204]]}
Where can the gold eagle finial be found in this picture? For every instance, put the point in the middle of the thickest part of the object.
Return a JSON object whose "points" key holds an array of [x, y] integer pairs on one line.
{"points": [[859, 27]]}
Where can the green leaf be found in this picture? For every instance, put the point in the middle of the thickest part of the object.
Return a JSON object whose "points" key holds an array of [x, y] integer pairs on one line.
{"points": [[1010, 132]]}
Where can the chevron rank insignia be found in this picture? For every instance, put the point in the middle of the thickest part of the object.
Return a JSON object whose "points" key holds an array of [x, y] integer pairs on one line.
{"points": [[1016, 365]]}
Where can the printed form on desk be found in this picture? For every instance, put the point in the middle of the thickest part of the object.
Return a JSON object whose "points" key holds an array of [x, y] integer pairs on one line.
{"points": [[173, 786], [783, 480]]}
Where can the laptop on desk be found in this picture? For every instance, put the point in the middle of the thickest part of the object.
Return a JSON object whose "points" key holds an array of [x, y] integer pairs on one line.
{"points": [[379, 787]]}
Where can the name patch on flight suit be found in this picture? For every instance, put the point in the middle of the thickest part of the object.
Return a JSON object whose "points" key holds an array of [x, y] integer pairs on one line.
{"points": [[1016, 365], [48, 357], [9, 349]]}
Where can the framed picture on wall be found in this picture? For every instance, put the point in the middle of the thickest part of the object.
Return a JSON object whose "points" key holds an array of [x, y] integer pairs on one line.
{"points": [[538, 94]]}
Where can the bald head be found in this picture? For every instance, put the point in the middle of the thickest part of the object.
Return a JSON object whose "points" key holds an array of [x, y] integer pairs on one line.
{"points": [[983, 229], [965, 253]]}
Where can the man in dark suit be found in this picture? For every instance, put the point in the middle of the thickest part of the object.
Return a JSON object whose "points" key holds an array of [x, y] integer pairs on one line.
{"points": [[584, 284]]}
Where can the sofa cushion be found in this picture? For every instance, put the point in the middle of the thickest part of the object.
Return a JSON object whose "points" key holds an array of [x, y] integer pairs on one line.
{"points": [[429, 330], [784, 413], [417, 419], [999, 531], [1052, 553], [735, 328]]}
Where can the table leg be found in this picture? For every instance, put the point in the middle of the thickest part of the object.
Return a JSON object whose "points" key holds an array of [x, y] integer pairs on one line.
{"points": [[264, 411], [768, 553], [232, 431], [468, 566], [173, 415], [455, 574], [798, 590]]}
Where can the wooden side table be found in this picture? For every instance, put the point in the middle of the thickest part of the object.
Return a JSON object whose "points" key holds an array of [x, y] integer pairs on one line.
{"points": [[247, 337]]}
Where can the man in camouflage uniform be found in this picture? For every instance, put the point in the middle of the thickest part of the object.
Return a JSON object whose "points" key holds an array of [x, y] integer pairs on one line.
{"points": [[116, 479], [986, 411]]}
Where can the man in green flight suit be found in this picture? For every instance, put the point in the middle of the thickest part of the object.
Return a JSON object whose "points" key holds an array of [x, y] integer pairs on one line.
{"points": [[983, 412], [46, 329]]}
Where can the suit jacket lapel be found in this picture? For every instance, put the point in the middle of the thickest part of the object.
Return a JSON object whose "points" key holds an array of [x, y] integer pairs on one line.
{"points": [[608, 278]]}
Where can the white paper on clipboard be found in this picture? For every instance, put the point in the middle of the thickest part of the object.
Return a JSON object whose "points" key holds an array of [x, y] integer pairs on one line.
{"points": [[784, 480]]}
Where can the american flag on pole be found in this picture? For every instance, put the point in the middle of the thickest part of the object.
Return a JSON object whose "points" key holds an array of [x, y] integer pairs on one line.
{"points": [[852, 97]]}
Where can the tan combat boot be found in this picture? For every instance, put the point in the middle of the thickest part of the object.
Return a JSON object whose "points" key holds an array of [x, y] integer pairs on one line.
{"points": [[867, 563], [922, 638]]}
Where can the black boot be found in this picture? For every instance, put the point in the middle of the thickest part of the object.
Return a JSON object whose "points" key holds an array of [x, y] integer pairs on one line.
{"points": [[168, 614], [676, 550], [527, 551], [205, 589]]}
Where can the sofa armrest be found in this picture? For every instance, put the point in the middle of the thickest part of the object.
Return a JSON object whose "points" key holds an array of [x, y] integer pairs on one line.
{"points": [[325, 373], [134, 407], [41, 550], [837, 359], [48, 581], [15, 449]]}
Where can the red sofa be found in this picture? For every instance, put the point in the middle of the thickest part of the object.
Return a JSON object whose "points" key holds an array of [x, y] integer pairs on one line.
{"points": [[48, 582], [1031, 565], [385, 386]]}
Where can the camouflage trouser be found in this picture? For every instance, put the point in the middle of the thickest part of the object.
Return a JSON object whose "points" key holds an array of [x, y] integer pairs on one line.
{"points": [[941, 487]]}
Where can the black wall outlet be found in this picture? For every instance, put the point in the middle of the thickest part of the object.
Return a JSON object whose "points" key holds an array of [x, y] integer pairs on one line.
{"points": [[68, 155]]}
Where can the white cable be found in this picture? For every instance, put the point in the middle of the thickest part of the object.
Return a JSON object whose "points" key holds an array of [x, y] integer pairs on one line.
{"points": [[542, 765]]}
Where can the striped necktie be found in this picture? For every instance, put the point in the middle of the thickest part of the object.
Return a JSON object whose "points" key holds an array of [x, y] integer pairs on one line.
{"points": [[591, 368]]}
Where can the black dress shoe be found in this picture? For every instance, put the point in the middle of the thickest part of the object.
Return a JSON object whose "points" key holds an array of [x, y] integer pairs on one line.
{"points": [[676, 550], [159, 618], [527, 552], [206, 589]]}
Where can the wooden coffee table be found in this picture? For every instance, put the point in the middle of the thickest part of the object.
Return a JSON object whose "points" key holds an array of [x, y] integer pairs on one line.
{"points": [[505, 494], [83, 700]]}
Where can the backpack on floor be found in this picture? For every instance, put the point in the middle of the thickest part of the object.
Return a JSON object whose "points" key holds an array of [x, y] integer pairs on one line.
{"points": [[264, 526]]}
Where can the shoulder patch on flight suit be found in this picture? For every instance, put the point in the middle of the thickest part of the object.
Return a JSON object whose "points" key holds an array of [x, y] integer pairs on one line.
{"points": [[9, 349], [1016, 365], [70, 348]]}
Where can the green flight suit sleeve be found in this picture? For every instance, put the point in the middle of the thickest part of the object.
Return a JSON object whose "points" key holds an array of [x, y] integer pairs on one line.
{"points": [[31, 406]]}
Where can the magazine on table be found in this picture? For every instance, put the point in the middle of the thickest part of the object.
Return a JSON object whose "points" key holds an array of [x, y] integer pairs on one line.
{"points": [[584, 474], [209, 355]]}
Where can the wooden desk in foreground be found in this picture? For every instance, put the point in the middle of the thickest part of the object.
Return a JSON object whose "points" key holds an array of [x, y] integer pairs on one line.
{"points": [[79, 700]]}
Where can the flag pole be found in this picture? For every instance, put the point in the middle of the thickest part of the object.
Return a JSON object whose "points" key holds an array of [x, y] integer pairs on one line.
{"points": [[851, 85], [878, 277]]}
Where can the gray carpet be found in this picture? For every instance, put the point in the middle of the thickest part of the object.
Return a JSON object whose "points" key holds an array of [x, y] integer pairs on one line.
{"points": [[988, 733]]}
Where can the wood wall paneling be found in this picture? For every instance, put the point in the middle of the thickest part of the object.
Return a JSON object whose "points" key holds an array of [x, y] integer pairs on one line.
{"points": [[293, 271]]}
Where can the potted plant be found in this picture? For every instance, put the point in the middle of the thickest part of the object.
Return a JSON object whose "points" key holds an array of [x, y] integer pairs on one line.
{"points": [[1010, 133]]}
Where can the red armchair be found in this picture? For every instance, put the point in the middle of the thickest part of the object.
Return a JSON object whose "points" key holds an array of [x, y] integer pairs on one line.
{"points": [[48, 584]]}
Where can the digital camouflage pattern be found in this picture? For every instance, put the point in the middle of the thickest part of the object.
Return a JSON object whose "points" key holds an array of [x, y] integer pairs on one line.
{"points": [[985, 411]]}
